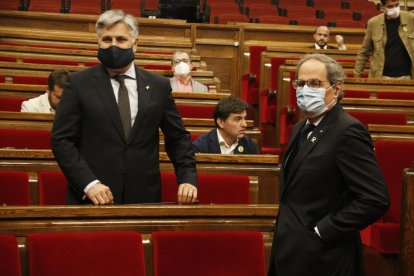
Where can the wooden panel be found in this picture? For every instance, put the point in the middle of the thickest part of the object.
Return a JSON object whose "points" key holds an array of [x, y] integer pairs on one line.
{"points": [[265, 167], [407, 224]]}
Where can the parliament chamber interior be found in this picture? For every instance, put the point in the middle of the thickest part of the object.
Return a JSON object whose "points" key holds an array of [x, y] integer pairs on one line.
{"points": [[245, 48]]}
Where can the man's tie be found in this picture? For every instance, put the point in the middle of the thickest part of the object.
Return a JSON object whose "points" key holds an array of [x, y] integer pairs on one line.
{"points": [[302, 137], [123, 104]]}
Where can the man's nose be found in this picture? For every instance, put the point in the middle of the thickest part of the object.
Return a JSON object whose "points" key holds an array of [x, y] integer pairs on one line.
{"points": [[243, 123]]}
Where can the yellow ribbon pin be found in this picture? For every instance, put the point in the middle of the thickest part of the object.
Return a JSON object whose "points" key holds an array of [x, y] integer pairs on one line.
{"points": [[240, 149]]}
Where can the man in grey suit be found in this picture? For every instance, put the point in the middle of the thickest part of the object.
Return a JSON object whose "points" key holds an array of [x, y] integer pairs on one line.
{"points": [[331, 184], [182, 80], [105, 136]]}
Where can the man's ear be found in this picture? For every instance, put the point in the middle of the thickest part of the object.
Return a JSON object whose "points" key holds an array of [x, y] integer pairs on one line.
{"points": [[135, 45], [220, 122], [338, 88]]}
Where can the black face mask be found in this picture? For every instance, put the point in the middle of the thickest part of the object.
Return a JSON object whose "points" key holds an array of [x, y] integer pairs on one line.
{"points": [[114, 57]]}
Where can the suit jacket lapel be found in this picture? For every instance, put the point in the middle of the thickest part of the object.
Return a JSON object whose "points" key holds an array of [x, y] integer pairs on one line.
{"points": [[145, 88], [320, 130], [103, 86]]}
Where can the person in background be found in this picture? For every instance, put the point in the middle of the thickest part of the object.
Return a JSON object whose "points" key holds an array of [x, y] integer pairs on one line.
{"points": [[182, 80], [331, 183], [229, 135], [105, 135], [49, 101], [322, 36], [388, 44]]}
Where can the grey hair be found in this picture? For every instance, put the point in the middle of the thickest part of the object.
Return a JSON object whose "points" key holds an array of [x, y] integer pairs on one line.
{"points": [[112, 17], [334, 71], [180, 52]]}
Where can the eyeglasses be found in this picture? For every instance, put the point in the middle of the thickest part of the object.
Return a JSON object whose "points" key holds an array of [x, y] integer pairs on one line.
{"points": [[314, 83], [181, 60]]}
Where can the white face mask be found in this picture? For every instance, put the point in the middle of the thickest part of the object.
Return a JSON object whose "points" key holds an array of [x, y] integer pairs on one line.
{"points": [[181, 69], [312, 100], [393, 12]]}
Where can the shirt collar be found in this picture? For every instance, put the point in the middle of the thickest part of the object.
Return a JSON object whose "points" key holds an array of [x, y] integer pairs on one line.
{"points": [[222, 142], [319, 47]]}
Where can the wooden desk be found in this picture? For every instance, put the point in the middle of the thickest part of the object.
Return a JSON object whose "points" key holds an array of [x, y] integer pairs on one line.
{"points": [[145, 219], [391, 132], [265, 167]]}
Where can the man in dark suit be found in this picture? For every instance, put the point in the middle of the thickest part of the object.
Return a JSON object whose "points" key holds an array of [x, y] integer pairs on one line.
{"points": [[229, 135], [331, 185], [105, 136], [322, 36]]}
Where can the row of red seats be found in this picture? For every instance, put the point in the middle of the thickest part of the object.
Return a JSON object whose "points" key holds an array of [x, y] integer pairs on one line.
{"points": [[79, 6], [122, 253], [213, 188], [336, 13]]}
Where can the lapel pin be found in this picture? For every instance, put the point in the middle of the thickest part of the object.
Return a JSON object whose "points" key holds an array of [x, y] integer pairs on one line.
{"points": [[240, 149], [405, 28], [313, 139], [147, 87]]}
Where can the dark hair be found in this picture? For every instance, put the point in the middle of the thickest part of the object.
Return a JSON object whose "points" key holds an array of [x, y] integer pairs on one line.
{"points": [[383, 2], [58, 77], [228, 105]]}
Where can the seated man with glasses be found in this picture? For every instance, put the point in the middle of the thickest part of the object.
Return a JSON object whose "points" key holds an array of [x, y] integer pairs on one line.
{"points": [[182, 81], [331, 184]]}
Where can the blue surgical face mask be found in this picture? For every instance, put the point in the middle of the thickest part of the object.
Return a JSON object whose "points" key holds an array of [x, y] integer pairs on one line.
{"points": [[312, 100], [114, 57]]}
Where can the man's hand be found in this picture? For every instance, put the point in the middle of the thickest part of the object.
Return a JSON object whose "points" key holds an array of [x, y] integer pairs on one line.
{"points": [[187, 193], [340, 40], [100, 194]]}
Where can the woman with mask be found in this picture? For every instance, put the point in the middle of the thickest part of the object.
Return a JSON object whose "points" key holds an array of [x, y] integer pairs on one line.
{"points": [[389, 43], [105, 135], [182, 80]]}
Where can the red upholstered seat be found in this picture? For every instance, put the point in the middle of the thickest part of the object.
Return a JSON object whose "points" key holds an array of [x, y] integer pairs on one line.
{"points": [[86, 253], [51, 61], [380, 118], [29, 80], [272, 19], [212, 188], [256, 10], [208, 253], [395, 95], [14, 188], [91, 63], [2, 79], [224, 18], [129, 6], [55, 6], [11, 104], [196, 111], [86, 7], [12, 5], [250, 81], [9, 256], [25, 138], [52, 188], [356, 94], [393, 157], [157, 67], [8, 59]]}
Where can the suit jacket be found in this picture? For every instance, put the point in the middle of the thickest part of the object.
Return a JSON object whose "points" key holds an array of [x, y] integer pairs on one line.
{"points": [[39, 104], [329, 47], [89, 144], [208, 143], [335, 184], [373, 45], [197, 87]]}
